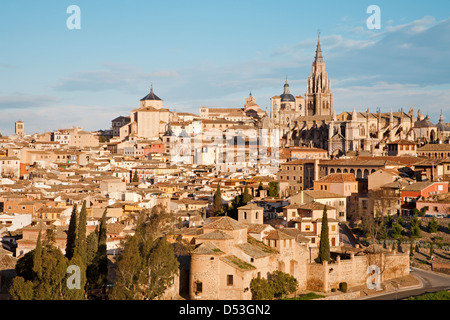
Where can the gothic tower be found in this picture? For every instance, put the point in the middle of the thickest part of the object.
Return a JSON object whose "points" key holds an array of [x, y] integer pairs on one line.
{"points": [[318, 97]]}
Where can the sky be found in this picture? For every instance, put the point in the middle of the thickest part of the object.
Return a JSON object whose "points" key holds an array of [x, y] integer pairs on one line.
{"points": [[214, 53]]}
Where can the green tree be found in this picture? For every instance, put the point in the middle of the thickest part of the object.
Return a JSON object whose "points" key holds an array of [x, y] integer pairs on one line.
{"points": [[21, 289], [50, 285], [217, 208], [431, 250], [283, 284], [415, 227], [162, 266], [80, 244], [50, 237], [383, 232], [102, 257], [91, 260], [129, 272], [136, 176], [246, 197], [74, 293], [40, 274], [274, 189], [72, 233], [433, 226], [397, 229], [148, 263], [37, 258], [261, 289], [324, 245]]}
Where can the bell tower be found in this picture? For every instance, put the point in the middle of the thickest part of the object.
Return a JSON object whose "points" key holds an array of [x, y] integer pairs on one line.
{"points": [[318, 97]]}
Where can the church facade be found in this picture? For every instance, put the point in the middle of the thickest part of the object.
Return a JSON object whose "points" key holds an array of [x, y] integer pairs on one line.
{"points": [[312, 121]]}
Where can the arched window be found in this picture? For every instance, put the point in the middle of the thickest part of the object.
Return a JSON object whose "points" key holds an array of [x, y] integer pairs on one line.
{"points": [[366, 173], [358, 174]]}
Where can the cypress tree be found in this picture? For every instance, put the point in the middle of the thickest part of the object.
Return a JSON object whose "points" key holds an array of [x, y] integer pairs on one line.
{"points": [[217, 201], [135, 177], [324, 246], [37, 257], [72, 233], [274, 189], [91, 259], [76, 293], [102, 256], [246, 197], [80, 246]]}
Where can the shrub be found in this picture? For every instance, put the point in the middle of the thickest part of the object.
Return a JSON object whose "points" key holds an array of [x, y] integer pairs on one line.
{"points": [[433, 226], [440, 295]]}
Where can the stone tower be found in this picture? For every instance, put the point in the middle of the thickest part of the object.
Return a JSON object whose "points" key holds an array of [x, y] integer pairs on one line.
{"points": [[318, 97], [20, 128]]}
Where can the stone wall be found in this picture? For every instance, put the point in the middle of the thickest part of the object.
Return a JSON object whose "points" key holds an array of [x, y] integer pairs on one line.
{"points": [[441, 267], [205, 269], [354, 271]]}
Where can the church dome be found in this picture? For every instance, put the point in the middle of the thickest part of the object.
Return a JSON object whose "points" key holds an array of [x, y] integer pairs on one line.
{"points": [[287, 96], [151, 96]]}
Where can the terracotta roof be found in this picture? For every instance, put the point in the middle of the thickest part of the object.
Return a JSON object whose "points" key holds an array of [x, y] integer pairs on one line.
{"points": [[338, 177], [296, 233], [418, 186], [251, 206], [313, 205], [278, 235], [7, 261], [215, 235], [225, 223], [321, 194], [435, 147]]}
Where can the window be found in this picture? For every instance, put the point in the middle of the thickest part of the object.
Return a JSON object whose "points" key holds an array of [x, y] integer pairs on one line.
{"points": [[198, 287], [229, 280]]}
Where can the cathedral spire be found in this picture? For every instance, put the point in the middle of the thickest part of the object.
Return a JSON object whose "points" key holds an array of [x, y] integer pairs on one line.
{"points": [[319, 57]]}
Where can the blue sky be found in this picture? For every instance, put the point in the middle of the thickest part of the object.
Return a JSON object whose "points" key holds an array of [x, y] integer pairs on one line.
{"points": [[213, 53]]}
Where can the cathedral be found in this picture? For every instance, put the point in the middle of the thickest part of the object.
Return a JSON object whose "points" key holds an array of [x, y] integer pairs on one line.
{"points": [[311, 120]]}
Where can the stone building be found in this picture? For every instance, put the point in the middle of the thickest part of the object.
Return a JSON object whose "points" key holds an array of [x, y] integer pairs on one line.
{"points": [[303, 120], [248, 114], [228, 256], [312, 121], [148, 121]]}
